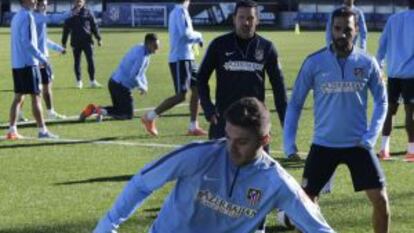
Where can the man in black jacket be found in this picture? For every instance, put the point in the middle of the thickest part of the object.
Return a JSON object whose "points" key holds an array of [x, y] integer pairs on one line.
{"points": [[81, 27], [240, 59]]}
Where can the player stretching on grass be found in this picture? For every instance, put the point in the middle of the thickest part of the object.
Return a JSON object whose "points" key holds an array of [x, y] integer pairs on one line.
{"points": [[340, 77], [183, 69], [226, 185], [130, 74]]}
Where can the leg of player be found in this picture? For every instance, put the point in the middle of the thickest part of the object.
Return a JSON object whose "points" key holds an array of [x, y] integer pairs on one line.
{"points": [[48, 99], [194, 129], [12, 134], [386, 131], [77, 66], [409, 126], [148, 119], [381, 209], [91, 66], [37, 114]]}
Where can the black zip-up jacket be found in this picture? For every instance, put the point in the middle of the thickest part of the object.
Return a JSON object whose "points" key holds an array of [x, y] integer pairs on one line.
{"points": [[240, 73], [81, 27]]}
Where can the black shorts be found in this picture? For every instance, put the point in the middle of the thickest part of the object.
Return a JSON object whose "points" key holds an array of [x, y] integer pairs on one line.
{"points": [[184, 74], [47, 75], [26, 80], [400, 88], [365, 168]]}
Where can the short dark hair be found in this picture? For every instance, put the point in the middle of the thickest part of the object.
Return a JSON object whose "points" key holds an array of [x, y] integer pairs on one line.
{"points": [[411, 4], [245, 3], [150, 37], [344, 12], [249, 113]]}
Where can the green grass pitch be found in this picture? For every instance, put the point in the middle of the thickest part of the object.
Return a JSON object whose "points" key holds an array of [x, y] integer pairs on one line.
{"points": [[67, 185]]}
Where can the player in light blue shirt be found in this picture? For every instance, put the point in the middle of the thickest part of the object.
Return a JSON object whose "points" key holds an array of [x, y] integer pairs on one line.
{"points": [[183, 70], [42, 19], [396, 46], [225, 185], [129, 75], [341, 76], [362, 26], [26, 56]]}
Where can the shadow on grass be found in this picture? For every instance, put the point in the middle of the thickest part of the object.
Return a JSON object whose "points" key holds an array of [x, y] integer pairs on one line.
{"points": [[57, 143], [80, 227], [121, 178]]}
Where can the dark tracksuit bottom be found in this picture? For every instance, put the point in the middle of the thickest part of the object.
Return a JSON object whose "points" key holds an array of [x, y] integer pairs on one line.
{"points": [[77, 52]]}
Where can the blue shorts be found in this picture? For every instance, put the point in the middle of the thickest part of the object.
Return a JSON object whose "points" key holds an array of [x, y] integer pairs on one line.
{"points": [[321, 163], [47, 75], [26, 80], [184, 74], [400, 88]]}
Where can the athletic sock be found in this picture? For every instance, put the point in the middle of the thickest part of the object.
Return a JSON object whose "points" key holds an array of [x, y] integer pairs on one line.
{"points": [[12, 129], [151, 115], [385, 145], [410, 148], [43, 130], [193, 125]]}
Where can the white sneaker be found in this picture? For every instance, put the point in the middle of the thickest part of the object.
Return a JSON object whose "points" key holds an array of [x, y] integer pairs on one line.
{"points": [[55, 116], [260, 231], [47, 135], [95, 84], [79, 84]]}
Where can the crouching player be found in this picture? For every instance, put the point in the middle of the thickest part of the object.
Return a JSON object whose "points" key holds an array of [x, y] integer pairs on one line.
{"points": [[223, 185], [130, 74]]}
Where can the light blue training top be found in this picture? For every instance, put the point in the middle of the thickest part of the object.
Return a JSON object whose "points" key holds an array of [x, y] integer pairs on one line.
{"points": [[24, 41], [211, 194], [363, 30], [182, 35], [397, 45], [131, 71], [42, 19], [340, 93]]}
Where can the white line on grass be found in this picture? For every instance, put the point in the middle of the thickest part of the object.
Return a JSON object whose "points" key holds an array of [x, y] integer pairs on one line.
{"points": [[137, 144]]}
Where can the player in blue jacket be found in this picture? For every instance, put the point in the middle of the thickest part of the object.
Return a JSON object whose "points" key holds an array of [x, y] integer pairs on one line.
{"points": [[362, 26], [396, 45], [341, 76], [225, 185], [183, 69], [129, 75]]}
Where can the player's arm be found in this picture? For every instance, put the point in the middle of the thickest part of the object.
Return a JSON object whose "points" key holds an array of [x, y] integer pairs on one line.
{"points": [[138, 73], [305, 214], [363, 30], [182, 162], [55, 46], [276, 78], [94, 27], [186, 31], [379, 93], [66, 30], [25, 38], [303, 84], [382, 45], [208, 65]]}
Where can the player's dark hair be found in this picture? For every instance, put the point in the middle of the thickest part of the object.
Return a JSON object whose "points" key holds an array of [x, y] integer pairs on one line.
{"points": [[344, 12], [244, 3], [250, 113], [150, 37], [411, 4], [180, 1]]}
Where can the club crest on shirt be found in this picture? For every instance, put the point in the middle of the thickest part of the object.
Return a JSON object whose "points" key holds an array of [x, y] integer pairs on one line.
{"points": [[259, 54], [254, 196], [359, 72]]}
